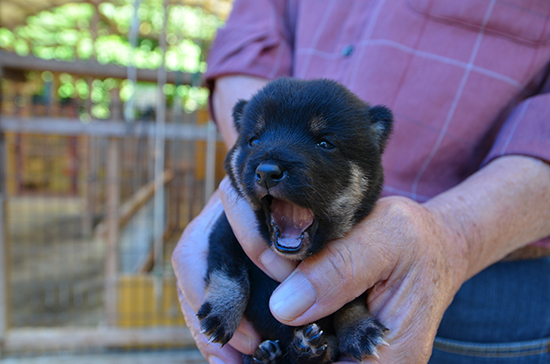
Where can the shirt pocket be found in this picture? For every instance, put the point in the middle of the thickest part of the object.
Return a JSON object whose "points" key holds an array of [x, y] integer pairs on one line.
{"points": [[524, 21]]}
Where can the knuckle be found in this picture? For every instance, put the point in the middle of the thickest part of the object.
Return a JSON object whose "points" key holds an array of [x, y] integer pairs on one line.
{"points": [[401, 208], [225, 186]]}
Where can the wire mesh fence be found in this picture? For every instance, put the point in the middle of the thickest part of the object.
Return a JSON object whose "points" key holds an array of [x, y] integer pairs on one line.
{"points": [[79, 206]]}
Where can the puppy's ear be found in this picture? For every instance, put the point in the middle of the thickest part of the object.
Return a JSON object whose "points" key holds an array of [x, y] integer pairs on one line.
{"points": [[238, 113], [382, 123]]}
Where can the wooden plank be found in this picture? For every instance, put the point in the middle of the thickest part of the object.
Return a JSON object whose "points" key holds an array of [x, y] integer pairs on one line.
{"points": [[53, 339], [118, 128], [173, 356], [130, 207], [112, 204], [4, 246], [92, 68], [113, 229]]}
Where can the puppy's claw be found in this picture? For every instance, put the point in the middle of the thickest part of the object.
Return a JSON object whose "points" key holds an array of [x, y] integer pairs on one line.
{"points": [[361, 339]]}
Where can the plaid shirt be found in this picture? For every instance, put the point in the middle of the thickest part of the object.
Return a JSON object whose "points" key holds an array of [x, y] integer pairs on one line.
{"points": [[465, 79]]}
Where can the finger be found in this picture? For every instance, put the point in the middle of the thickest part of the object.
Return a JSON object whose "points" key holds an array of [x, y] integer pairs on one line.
{"points": [[244, 224], [322, 284], [189, 256], [214, 353], [245, 339]]}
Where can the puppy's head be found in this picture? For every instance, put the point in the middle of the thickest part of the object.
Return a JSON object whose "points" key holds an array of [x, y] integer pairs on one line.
{"points": [[308, 160]]}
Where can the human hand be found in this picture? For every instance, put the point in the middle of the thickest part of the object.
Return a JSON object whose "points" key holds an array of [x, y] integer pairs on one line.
{"points": [[189, 262], [403, 250], [414, 262]]}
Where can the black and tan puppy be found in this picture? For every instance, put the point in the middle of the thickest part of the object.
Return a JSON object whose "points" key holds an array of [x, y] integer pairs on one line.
{"points": [[308, 160]]}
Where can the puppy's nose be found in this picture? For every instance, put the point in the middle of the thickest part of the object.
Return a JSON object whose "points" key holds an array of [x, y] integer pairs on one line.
{"points": [[268, 175]]}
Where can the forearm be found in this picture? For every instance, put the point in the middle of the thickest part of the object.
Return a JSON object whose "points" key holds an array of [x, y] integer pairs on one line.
{"points": [[501, 208], [228, 91]]}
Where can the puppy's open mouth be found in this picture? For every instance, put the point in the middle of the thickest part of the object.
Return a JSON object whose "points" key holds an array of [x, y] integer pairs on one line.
{"points": [[290, 226]]}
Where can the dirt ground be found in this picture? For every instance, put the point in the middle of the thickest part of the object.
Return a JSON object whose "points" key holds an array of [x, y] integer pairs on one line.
{"points": [[56, 273]]}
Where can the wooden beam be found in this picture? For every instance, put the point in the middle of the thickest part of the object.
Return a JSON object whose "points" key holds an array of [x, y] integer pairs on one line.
{"points": [[118, 129], [55, 339], [112, 204], [93, 68], [130, 207], [4, 246]]}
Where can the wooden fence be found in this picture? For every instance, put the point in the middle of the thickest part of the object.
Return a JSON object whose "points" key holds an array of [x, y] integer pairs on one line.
{"points": [[83, 266]]}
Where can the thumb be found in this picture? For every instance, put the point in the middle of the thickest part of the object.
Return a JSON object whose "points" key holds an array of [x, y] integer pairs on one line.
{"points": [[324, 283], [243, 221]]}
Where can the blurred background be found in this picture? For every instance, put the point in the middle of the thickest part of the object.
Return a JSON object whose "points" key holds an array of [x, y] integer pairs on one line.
{"points": [[106, 153]]}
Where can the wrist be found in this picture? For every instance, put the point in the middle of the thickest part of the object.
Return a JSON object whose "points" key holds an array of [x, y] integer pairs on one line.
{"points": [[454, 238], [228, 90]]}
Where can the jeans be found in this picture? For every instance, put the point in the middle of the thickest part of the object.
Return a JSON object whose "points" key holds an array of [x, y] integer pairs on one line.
{"points": [[500, 316]]}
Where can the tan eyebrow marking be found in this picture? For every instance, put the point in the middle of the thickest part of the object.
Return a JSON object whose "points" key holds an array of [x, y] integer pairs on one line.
{"points": [[260, 123], [317, 124]]}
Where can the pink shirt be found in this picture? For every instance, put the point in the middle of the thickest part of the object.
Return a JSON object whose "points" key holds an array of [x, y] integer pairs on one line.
{"points": [[465, 79]]}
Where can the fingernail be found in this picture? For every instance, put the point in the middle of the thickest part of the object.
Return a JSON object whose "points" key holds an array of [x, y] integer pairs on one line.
{"points": [[215, 360], [277, 267], [293, 297]]}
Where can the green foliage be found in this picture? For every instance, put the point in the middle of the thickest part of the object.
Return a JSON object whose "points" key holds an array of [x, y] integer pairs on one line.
{"points": [[64, 33]]}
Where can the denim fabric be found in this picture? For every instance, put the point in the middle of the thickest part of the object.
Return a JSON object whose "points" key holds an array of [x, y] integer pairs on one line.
{"points": [[500, 316]]}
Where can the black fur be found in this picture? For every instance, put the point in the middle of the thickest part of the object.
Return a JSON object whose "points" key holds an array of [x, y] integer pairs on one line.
{"points": [[321, 147]]}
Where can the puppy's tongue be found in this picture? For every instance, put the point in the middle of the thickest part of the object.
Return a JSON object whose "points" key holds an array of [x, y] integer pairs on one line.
{"points": [[292, 221]]}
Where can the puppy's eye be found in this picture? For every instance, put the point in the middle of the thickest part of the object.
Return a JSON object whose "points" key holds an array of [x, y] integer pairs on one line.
{"points": [[253, 141], [325, 145]]}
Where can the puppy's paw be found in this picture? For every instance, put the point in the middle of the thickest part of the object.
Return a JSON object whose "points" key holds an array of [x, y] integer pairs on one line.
{"points": [[267, 352], [362, 339], [217, 323], [310, 341]]}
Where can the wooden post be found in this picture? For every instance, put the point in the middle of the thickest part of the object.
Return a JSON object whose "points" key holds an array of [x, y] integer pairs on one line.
{"points": [[4, 276], [90, 167], [112, 206], [158, 202], [87, 216]]}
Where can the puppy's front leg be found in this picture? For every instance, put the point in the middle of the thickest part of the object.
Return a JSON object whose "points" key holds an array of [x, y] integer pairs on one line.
{"points": [[227, 285]]}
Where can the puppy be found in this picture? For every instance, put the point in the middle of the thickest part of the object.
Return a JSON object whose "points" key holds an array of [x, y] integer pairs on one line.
{"points": [[308, 160]]}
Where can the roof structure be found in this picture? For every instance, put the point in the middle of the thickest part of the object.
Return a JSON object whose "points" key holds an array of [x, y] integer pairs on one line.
{"points": [[15, 12]]}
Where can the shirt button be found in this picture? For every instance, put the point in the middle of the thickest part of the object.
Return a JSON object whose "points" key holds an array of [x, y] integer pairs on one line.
{"points": [[347, 50]]}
